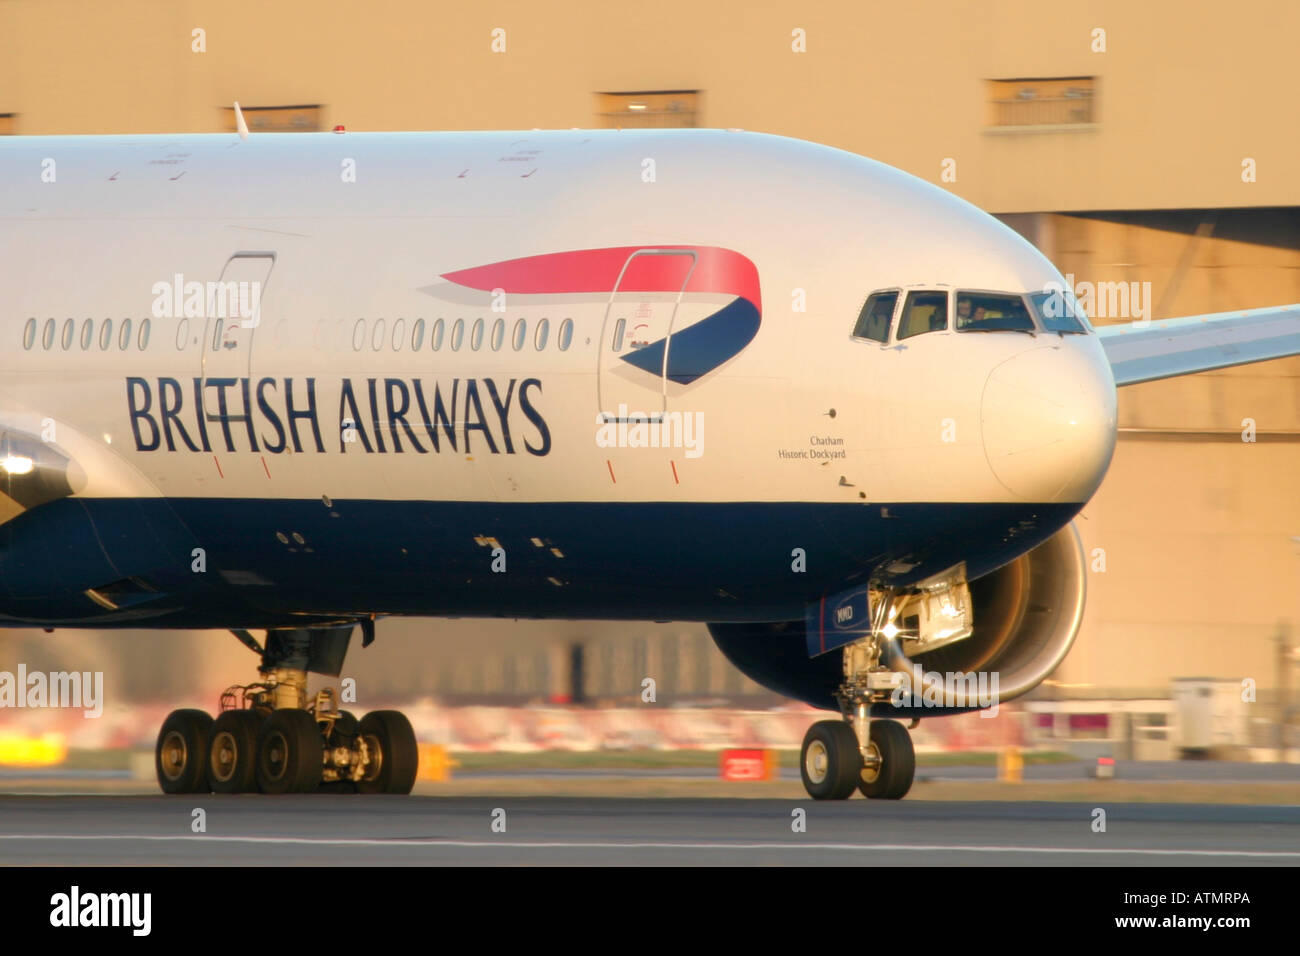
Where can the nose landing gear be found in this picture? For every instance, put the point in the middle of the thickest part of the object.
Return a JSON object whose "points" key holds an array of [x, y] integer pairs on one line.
{"points": [[873, 756], [833, 765]]}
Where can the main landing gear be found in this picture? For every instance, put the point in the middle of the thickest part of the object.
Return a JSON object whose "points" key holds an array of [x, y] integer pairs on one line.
{"points": [[270, 738], [857, 752]]}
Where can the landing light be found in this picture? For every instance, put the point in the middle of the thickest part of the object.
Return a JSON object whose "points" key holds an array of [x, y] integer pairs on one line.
{"points": [[16, 464], [890, 630]]}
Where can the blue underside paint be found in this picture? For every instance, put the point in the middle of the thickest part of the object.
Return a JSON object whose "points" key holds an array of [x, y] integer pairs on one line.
{"points": [[642, 561]]}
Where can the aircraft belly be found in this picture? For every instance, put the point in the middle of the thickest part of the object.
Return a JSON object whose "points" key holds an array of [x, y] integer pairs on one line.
{"points": [[266, 560]]}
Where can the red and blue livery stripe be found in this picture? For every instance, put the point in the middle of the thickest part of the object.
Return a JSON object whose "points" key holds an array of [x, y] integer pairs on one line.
{"points": [[695, 350]]}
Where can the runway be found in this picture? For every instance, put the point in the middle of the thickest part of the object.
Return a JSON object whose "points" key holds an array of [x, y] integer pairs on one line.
{"points": [[401, 831]]}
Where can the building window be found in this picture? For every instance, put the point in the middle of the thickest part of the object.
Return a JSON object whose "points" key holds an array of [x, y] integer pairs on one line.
{"points": [[277, 119], [1050, 101], [662, 109]]}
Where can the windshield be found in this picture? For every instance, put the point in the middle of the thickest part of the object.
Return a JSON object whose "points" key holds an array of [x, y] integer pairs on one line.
{"points": [[1059, 311], [873, 320], [992, 312], [923, 312]]}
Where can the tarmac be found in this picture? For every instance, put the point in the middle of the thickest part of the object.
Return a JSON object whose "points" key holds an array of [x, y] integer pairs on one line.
{"points": [[73, 830]]}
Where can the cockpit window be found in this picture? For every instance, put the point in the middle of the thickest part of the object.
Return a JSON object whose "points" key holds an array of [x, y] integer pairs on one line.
{"points": [[923, 312], [1059, 311], [992, 312], [874, 319]]}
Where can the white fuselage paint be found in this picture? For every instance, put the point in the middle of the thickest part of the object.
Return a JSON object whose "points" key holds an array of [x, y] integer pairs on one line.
{"points": [[128, 212], [944, 417]]}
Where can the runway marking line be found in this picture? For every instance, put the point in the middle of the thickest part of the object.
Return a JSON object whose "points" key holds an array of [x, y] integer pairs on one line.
{"points": [[579, 845]]}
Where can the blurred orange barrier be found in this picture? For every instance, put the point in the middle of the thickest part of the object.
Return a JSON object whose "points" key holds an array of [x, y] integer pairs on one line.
{"points": [[43, 751], [436, 762], [1011, 765], [748, 765]]}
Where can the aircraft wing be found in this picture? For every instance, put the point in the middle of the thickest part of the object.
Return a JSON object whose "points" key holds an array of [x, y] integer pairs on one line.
{"points": [[1146, 351]]}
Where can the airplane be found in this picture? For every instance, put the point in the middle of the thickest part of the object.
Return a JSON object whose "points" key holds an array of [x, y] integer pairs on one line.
{"points": [[298, 383]]}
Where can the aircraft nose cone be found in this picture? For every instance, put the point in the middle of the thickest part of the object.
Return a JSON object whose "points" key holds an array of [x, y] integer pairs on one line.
{"points": [[1048, 419]]}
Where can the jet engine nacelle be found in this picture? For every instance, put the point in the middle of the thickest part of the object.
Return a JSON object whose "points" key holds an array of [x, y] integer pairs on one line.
{"points": [[1026, 615]]}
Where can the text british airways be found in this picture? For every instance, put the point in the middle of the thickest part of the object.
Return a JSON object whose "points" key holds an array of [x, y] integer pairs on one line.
{"points": [[388, 415]]}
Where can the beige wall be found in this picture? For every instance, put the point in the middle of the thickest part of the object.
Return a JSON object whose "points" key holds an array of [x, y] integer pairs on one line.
{"points": [[1248, 259], [1200, 565], [1186, 89]]}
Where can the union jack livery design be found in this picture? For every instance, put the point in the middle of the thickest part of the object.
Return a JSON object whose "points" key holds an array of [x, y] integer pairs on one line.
{"points": [[697, 348]]}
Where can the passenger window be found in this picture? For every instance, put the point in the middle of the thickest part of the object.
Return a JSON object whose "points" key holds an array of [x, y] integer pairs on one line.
{"points": [[923, 312], [874, 319], [992, 312]]}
